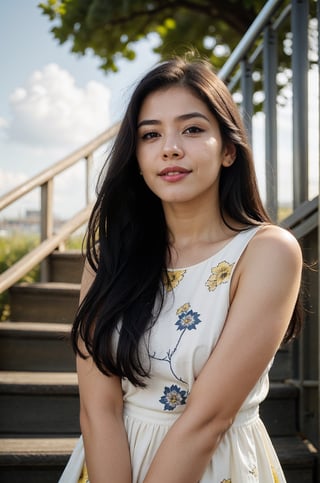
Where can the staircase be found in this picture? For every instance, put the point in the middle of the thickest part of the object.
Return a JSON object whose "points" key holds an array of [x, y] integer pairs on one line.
{"points": [[38, 384], [39, 395]]}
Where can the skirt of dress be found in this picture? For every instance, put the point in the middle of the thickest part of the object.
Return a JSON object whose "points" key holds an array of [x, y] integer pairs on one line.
{"points": [[74, 470], [245, 453]]}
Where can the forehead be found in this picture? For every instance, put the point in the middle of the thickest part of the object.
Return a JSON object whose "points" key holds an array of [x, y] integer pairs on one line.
{"points": [[173, 100]]}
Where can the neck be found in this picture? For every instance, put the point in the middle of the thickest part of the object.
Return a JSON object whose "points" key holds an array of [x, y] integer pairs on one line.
{"points": [[191, 225]]}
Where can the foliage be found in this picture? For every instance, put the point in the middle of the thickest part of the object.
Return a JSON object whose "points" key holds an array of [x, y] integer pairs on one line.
{"points": [[110, 28], [11, 250], [74, 242]]}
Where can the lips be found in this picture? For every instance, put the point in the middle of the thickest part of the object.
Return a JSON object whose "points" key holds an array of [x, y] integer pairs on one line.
{"points": [[174, 174], [173, 171]]}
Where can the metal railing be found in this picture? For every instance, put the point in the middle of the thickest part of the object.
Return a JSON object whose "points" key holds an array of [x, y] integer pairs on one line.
{"points": [[240, 66], [44, 180], [259, 50]]}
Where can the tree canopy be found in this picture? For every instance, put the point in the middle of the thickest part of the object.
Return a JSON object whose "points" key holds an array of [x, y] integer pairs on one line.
{"points": [[111, 28]]}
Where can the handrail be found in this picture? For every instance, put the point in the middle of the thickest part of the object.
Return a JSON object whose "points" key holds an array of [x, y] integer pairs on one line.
{"points": [[26, 263], [304, 211], [44, 181], [57, 168], [248, 39]]}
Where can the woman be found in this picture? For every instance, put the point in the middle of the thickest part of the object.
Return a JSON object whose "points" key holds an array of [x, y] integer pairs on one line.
{"points": [[187, 293]]}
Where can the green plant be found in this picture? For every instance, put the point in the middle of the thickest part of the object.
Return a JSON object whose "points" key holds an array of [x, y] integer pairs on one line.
{"points": [[12, 248]]}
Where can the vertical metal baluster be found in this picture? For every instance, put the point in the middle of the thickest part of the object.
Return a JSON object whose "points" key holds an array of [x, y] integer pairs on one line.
{"points": [[270, 61], [46, 228], [299, 26], [89, 164], [247, 93]]}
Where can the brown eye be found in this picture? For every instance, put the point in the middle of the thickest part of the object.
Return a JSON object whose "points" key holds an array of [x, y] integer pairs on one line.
{"points": [[193, 130], [149, 135]]}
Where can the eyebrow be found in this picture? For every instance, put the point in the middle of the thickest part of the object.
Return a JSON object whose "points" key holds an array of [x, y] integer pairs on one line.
{"points": [[182, 117]]}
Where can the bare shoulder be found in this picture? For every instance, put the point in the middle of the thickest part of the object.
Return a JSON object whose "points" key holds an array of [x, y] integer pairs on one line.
{"points": [[273, 249], [276, 242], [271, 264]]}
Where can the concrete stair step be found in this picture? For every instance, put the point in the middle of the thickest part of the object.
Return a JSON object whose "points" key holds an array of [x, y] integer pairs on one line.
{"points": [[66, 266], [41, 460], [34, 460], [298, 459], [282, 365], [47, 402], [44, 302], [34, 398], [35, 346], [39, 404], [279, 410]]}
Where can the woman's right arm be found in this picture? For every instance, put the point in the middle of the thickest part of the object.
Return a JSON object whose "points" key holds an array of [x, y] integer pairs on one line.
{"points": [[104, 435]]}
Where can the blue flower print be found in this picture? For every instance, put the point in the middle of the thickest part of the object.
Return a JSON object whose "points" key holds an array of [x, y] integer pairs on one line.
{"points": [[188, 320], [173, 397]]}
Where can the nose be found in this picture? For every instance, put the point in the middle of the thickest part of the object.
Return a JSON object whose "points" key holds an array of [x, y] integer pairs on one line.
{"points": [[172, 150]]}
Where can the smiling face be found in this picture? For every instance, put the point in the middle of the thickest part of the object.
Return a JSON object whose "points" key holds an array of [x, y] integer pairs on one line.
{"points": [[179, 147]]}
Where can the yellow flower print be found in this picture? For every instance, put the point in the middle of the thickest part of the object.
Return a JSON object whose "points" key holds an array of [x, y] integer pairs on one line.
{"points": [[274, 474], [184, 308], [84, 475], [254, 471], [173, 280], [219, 274], [226, 481]]}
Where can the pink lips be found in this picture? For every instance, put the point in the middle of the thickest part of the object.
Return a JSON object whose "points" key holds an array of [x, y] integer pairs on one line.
{"points": [[174, 173]]}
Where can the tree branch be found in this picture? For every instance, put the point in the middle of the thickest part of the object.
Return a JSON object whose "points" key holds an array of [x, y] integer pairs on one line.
{"points": [[239, 21]]}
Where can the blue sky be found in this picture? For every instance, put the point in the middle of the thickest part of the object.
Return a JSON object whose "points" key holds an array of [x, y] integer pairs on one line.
{"points": [[52, 102], [27, 45]]}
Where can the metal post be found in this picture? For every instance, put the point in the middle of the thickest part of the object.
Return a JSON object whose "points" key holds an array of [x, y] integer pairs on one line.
{"points": [[247, 40], [89, 164], [299, 26], [46, 228], [247, 93], [270, 60]]}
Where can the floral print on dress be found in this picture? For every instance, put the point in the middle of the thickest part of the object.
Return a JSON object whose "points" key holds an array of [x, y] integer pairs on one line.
{"points": [[172, 279], [84, 478], [173, 396], [254, 472], [226, 481], [275, 476], [219, 274], [187, 321]]}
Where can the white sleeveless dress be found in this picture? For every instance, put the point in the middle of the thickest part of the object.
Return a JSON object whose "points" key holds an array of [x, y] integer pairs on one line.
{"points": [[178, 346]]}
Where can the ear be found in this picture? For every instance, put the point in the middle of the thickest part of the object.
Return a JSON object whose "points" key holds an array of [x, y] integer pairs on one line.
{"points": [[229, 155]]}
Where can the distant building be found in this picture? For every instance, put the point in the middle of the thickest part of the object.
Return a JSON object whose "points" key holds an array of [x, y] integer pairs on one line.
{"points": [[28, 224]]}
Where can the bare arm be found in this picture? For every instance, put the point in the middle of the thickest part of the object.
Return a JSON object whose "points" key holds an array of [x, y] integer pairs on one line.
{"points": [[265, 285], [105, 439]]}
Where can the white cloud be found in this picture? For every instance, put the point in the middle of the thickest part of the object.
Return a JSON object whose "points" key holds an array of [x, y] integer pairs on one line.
{"points": [[52, 111], [3, 122], [9, 180], [68, 187]]}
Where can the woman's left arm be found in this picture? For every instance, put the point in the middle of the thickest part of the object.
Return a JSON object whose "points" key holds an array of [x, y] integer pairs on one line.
{"points": [[265, 285]]}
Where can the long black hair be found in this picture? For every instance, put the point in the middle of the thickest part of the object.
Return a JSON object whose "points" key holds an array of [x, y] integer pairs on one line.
{"points": [[127, 238]]}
